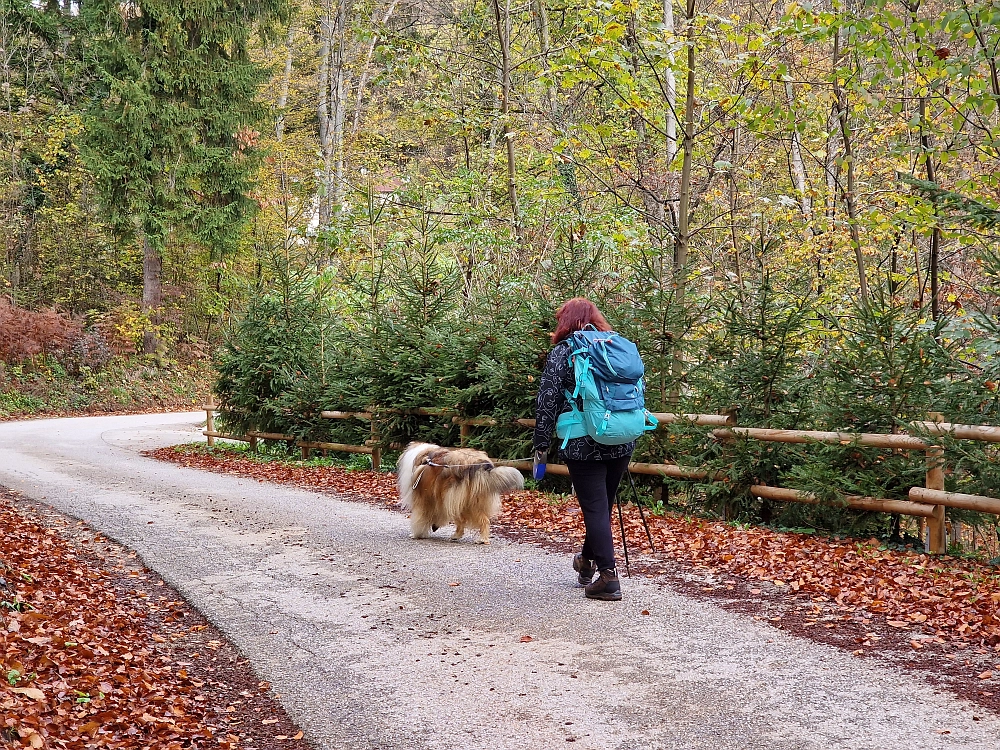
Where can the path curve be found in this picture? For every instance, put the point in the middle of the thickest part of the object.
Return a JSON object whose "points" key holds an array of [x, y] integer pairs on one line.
{"points": [[369, 643]]}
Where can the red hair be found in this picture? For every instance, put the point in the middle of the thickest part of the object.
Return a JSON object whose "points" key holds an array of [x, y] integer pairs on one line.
{"points": [[573, 315]]}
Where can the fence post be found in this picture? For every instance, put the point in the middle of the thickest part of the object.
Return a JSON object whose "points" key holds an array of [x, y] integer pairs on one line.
{"points": [[210, 419], [463, 433], [376, 448], [937, 541]]}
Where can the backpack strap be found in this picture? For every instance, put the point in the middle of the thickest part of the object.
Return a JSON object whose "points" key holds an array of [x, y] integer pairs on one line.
{"points": [[603, 348], [570, 423], [579, 376]]}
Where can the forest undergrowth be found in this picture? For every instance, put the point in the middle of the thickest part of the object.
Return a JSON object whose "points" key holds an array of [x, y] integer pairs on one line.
{"points": [[55, 364], [124, 386]]}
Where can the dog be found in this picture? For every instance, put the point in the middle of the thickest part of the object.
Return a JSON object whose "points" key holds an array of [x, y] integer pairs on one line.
{"points": [[441, 486]]}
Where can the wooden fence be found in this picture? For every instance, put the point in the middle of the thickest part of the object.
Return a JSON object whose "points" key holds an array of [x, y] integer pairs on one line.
{"points": [[927, 503]]}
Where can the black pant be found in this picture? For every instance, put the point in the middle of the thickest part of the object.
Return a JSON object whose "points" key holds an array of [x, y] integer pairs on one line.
{"points": [[596, 483]]}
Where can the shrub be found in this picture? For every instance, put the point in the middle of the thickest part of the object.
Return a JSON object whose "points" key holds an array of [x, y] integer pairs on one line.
{"points": [[25, 333]]}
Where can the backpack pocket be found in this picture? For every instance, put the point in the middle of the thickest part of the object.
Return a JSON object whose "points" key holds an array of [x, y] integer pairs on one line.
{"points": [[616, 427]]}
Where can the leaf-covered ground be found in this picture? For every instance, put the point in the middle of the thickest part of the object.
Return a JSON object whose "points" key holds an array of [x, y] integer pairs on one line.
{"points": [[98, 652], [939, 616]]}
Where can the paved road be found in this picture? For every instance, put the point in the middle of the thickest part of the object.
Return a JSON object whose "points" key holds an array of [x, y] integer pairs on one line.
{"points": [[371, 646]]}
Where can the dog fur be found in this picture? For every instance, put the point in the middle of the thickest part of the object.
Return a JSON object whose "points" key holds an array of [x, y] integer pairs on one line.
{"points": [[441, 486]]}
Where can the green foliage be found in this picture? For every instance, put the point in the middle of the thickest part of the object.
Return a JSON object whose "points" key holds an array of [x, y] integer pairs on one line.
{"points": [[273, 345], [757, 365], [174, 103], [42, 386]]}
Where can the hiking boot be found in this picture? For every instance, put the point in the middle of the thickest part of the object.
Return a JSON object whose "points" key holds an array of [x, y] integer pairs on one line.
{"points": [[606, 587], [586, 568]]}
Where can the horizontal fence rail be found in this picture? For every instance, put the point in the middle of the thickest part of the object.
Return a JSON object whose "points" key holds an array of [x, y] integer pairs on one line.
{"points": [[926, 503], [869, 439], [903, 507]]}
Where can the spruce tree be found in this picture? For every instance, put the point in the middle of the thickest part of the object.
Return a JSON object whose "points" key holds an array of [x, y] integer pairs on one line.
{"points": [[170, 125]]}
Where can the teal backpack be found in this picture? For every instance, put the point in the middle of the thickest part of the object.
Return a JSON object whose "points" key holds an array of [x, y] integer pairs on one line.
{"points": [[609, 385]]}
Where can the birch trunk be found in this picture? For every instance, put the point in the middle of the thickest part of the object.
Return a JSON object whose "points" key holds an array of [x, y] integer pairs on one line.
{"points": [[366, 67], [670, 88], [798, 168], [338, 104], [282, 102], [325, 191]]}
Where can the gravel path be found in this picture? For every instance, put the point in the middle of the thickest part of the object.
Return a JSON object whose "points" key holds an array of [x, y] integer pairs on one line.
{"points": [[373, 640]]}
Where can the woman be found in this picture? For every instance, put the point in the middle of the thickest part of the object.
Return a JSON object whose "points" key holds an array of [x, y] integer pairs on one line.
{"points": [[595, 469]]}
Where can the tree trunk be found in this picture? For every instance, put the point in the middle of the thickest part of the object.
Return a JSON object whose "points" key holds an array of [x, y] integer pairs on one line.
{"points": [[544, 46], [927, 149], [652, 191], [683, 240], [152, 293], [831, 173], [849, 192], [338, 102], [734, 202], [682, 243], [670, 88], [363, 77], [503, 34], [282, 102], [325, 190], [797, 166]]}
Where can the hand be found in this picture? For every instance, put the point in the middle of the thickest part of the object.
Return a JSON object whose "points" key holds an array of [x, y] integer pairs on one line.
{"points": [[538, 466]]}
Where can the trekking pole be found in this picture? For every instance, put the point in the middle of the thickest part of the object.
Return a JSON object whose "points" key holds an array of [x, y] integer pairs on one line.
{"points": [[642, 514], [621, 525]]}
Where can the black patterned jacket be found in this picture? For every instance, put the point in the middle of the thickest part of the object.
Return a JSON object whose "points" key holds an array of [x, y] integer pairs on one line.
{"points": [[556, 379]]}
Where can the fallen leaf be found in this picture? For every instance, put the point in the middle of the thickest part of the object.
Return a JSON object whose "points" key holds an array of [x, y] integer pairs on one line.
{"points": [[297, 735], [29, 692], [269, 721], [644, 612], [526, 639], [985, 675]]}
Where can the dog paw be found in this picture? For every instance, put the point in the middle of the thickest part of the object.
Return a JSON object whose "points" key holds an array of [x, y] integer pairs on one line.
{"points": [[483, 541]]}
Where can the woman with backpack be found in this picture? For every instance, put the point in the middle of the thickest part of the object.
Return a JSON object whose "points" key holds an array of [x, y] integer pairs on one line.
{"points": [[595, 468]]}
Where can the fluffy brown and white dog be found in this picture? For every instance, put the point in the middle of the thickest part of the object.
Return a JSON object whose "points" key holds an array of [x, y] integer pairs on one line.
{"points": [[440, 486]]}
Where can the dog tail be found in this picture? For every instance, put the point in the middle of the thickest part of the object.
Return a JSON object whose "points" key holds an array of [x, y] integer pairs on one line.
{"points": [[408, 471], [504, 479]]}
